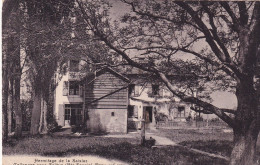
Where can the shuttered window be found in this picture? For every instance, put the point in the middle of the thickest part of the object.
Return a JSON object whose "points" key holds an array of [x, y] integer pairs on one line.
{"points": [[133, 90], [72, 88]]}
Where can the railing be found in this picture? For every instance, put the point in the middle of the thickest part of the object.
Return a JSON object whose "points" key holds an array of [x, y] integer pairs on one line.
{"points": [[76, 75], [191, 124]]}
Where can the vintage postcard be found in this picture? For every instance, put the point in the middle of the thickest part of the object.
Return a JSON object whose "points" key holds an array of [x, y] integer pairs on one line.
{"points": [[115, 82]]}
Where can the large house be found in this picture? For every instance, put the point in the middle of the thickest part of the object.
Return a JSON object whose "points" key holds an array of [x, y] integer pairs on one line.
{"points": [[108, 101]]}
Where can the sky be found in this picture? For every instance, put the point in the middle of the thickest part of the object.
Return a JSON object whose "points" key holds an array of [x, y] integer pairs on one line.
{"points": [[224, 100]]}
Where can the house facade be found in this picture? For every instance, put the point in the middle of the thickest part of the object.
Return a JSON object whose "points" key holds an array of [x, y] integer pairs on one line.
{"points": [[107, 101], [153, 102]]}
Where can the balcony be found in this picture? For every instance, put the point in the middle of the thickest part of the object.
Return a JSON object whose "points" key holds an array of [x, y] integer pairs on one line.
{"points": [[76, 76]]}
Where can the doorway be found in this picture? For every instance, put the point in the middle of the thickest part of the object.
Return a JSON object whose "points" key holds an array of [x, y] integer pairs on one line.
{"points": [[148, 114], [73, 114]]}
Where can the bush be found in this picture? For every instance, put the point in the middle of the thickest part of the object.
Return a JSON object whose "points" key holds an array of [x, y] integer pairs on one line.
{"points": [[215, 120], [198, 118], [53, 125], [161, 117], [78, 128], [149, 142]]}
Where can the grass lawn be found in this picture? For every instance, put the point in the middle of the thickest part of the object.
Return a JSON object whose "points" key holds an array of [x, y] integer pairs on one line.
{"points": [[194, 135], [217, 142], [124, 149]]}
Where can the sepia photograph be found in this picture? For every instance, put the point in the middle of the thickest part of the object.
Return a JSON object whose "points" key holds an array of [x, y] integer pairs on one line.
{"points": [[118, 82]]}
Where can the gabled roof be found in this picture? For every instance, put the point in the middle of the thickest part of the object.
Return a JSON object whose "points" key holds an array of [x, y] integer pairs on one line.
{"points": [[110, 70]]}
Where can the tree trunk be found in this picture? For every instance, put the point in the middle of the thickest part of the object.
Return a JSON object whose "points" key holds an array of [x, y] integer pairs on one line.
{"points": [[5, 85], [247, 128], [36, 112], [17, 105], [45, 128], [43, 119], [244, 149], [10, 106]]}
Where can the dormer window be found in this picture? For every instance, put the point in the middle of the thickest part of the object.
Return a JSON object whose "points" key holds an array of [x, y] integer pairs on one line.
{"points": [[74, 65]]}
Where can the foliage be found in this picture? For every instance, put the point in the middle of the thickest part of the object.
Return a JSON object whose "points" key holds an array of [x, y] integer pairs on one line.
{"points": [[52, 125], [160, 117]]}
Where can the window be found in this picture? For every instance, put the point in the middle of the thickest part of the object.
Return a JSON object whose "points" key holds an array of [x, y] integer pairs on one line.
{"points": [[180, 113], [73, 88], [74, 65], [112, 113], [133, 90], [132, 111], [155, 90], [67, 113]]}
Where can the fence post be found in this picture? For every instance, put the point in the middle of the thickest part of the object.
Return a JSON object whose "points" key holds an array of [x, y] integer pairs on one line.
{"points": [[142, 131]]}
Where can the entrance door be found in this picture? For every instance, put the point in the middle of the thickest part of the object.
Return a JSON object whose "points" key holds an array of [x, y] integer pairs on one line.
{"points": [[73, 114], [73, 117], [148, 114]]}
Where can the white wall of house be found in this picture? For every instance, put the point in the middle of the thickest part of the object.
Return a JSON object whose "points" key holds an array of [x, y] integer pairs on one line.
{"points": [[165, 103], [61, 100]]}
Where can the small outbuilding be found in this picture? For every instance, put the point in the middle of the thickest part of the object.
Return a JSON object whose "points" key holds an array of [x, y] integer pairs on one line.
{"points": [[106, 101]]}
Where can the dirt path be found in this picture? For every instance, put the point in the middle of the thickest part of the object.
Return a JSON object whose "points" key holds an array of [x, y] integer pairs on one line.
{"points": [[163, 141]]}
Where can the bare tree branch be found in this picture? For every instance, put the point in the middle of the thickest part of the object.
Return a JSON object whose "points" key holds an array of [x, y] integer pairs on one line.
{"points": [[209, 38], [235, 21], [243, 12], [220, 113]]}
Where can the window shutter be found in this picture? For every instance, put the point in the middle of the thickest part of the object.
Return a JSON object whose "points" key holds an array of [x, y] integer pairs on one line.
{"points": [[160, 91], [80, 90], [65, 88], [136, 111], [150, 91], [136, 90], [61, 115]]}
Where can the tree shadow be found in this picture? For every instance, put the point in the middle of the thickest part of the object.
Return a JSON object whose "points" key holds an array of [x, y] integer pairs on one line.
{"points": [[138, 154], [219, 147]]}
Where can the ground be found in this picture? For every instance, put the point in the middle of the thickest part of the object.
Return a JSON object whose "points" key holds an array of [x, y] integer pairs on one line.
{"points": [[126, 148]]}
